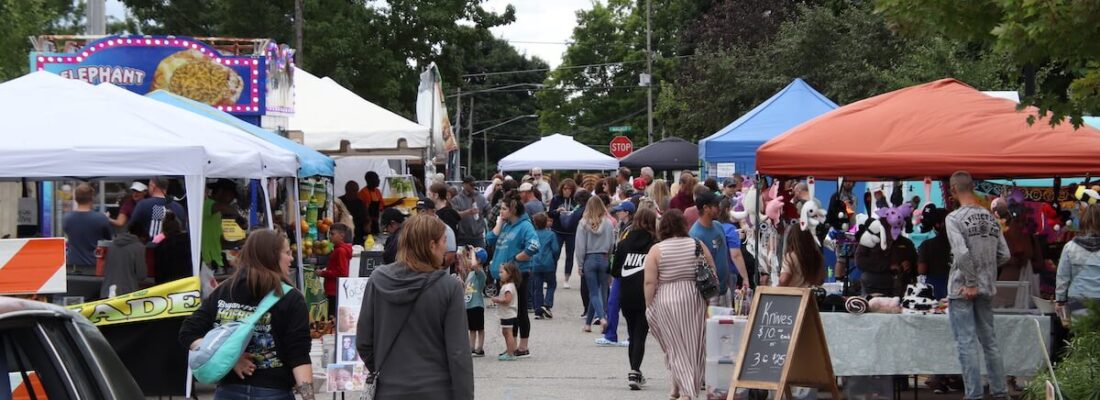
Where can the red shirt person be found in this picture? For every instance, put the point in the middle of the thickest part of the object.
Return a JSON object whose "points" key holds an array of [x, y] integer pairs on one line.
{"points": [[337, 266]]}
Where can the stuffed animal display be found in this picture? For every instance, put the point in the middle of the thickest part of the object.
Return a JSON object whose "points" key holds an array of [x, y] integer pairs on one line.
{"points": [[885, 305], [919, 298]]}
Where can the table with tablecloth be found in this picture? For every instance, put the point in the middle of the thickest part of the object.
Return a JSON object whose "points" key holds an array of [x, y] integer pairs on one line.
{"points": [[909, 344]]}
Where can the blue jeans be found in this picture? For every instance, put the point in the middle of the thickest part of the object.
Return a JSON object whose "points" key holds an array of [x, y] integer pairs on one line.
{"points": [[972, 323], [246, 392], [543, 298], [612, 332], [595, 275]]}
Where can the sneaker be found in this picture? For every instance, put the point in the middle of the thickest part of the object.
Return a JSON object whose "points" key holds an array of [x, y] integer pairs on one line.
{"points": [[523, 353], [624, 343], [478, 353], [565, 285], [603, 342], [538, 316], [506, 357], [546, 312], [635, 380]]}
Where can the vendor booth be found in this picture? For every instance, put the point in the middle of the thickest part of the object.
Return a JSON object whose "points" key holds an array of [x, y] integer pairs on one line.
{"points": [[328, 115], [930, 131], [668, 154], [558, 152]]}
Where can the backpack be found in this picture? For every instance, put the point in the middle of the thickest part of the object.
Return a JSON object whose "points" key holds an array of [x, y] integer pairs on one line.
{"points": [[222, 346]]}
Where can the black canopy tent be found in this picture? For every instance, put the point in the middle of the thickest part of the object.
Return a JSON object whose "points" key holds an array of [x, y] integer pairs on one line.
{"points": [[671, 153]]}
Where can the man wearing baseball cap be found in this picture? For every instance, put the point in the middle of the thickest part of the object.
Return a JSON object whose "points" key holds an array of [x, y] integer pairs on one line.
{"points": [[707, 230], [471, 206], [391, 221], [426, 206], [531, 204], [137, 192]]}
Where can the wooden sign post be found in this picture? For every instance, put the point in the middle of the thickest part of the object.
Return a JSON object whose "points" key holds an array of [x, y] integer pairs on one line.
{"points": [[784, 345]]}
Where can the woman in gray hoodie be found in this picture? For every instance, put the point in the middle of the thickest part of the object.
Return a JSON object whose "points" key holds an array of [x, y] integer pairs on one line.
{"points": [[125, 266], [412, 326], [1079, 268]]}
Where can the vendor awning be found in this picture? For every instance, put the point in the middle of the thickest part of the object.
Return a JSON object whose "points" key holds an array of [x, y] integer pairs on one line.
{"points": [[557, 151], [310, 162], [932, 129]]}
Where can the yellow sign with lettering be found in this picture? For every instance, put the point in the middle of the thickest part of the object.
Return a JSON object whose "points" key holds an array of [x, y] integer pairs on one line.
{"points": [[173, 299]]}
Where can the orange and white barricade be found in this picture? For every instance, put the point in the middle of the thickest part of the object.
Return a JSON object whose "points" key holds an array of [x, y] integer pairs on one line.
{"points": [[32, 266]]}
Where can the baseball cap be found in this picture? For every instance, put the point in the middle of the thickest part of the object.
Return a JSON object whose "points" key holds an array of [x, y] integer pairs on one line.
{"points": [[705, 199], [482, 255], [391, 215], [139, 187], [627, 206], [729, 182], [468, 179], [639, 183], [525, 187], [424, 203]]}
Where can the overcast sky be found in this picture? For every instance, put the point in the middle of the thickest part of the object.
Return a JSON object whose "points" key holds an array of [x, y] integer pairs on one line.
{"points": [[541, 29]]}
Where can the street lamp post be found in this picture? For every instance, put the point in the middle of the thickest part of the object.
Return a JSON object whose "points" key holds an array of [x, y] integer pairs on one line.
{"points": [[485, 142]]}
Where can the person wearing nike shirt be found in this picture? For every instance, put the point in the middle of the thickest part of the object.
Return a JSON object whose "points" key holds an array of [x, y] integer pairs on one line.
{"points": [[629, 268]]}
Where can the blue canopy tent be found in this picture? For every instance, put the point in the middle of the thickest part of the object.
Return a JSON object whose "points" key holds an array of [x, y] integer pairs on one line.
{"points": [[737, 142], [310, 162]]}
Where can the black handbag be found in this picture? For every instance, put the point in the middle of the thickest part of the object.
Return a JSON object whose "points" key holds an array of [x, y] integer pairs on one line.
{"points": [[706, 280]]}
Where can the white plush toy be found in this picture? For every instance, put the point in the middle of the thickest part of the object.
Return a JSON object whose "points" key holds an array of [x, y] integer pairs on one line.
{"points": [[811, 216], [875, 234]]}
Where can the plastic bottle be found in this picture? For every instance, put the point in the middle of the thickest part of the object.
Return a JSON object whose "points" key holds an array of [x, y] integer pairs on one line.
{"points": [[829, 275]]}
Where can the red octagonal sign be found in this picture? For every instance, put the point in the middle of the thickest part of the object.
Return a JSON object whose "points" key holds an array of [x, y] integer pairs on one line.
{"points": [[621, 146]]}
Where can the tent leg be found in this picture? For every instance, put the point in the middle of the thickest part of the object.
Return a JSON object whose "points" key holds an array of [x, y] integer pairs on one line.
{"points": [[293, 195]]}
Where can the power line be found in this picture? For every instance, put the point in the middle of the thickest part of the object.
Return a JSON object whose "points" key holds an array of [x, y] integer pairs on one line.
{"points": [[567, 67], [537, 42]]}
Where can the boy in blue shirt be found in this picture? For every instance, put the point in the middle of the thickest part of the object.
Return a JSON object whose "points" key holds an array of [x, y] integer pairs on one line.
{"points": [[475, 300], [544, 268]]}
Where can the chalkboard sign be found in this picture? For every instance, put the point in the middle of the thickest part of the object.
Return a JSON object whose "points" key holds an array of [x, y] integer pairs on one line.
{"points": [[368, 261], [783, 345], [769, 341]]}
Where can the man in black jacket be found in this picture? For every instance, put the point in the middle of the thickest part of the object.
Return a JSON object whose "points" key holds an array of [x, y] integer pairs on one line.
{"points": [[391, 221]]}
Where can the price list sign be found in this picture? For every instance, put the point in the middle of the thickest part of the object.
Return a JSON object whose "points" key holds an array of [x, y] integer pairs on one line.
{"points": [[784, 344], [770, 339]]}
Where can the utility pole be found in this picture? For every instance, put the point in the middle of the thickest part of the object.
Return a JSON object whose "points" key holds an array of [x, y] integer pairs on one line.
{"points": [[470, 135], [457, 128], [298, 22], [96, 14], [649, 68]]}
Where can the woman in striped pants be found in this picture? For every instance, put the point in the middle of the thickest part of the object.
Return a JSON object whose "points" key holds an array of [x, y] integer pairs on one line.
{"points": [[675, 310]]}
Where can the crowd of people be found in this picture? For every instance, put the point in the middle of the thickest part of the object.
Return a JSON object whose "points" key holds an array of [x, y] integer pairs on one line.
{"points": [[635, 242]]}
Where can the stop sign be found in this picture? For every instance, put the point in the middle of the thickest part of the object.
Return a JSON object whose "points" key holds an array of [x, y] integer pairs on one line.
{"points": [[621, 146]]}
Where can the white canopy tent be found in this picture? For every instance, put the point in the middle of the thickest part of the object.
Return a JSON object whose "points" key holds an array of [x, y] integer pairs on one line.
{"points": [[557, 151], [327, 113], [57, 127]]}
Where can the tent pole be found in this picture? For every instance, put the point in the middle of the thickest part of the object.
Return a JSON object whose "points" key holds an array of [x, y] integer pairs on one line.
{"points": [[292, 190]]}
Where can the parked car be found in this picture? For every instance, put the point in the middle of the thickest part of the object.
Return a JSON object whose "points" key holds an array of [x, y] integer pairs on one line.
{"points": [[53, 353]]}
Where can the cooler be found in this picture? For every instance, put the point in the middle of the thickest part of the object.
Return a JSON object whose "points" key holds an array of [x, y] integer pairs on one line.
{"points": [[723, 345]]}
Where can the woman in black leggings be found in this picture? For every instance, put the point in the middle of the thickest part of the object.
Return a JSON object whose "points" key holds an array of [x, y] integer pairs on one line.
{"points": [[629, 267]]}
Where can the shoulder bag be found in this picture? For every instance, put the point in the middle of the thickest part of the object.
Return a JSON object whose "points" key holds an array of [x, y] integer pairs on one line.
{"points": [[705, 278], [372, 379], [222, 346]]}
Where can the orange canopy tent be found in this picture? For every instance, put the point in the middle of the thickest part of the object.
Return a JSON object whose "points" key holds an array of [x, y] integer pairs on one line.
{"points": [[933, 130]]}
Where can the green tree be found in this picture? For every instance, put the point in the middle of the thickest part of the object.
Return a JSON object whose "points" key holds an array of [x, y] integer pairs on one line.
{"points": [[497, 99], [21, 19], [597, 84], [847, 52], [1053, 45]]}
